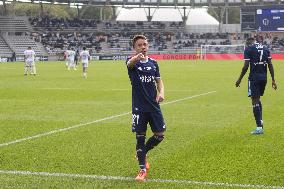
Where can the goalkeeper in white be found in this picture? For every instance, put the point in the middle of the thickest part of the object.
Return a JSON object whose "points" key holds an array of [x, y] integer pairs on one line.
{"points": [[30, 61], [85, 56]]}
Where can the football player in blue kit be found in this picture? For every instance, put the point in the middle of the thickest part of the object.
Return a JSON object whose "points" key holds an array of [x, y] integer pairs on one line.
{"points": [[147, 93], [258, 58]]}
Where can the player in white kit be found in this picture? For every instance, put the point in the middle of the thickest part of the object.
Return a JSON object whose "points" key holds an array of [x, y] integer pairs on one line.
{"points": [[70, 54], [30, 61], [85, 56]]}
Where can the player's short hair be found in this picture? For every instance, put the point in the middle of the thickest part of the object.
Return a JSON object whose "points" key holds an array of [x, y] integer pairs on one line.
{"points": [[136, 38], [258, 38], [84, 48], [250, 41], [29, 47]]}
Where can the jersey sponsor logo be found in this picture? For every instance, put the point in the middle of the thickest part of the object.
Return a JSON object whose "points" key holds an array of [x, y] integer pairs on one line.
{"points": [[147, 79]]}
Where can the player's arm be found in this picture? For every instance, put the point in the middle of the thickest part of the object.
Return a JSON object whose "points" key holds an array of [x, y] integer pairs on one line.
{"points": [[271, 70], [133, 60], [244, 71], [161, 91]]}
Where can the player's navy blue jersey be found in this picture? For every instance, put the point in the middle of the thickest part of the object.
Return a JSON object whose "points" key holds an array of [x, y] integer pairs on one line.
{"points": [[144, 90], [258, 56]]}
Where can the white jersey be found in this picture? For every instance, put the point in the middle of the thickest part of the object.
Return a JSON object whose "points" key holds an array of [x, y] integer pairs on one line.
{"points": [[70, 55], [85, 56], [29, 56]]}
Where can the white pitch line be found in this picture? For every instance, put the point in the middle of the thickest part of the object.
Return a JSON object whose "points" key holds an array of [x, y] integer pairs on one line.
{"points": [[121, 178], [61, 130], [59, 88], [186, 98], [95, 121]]}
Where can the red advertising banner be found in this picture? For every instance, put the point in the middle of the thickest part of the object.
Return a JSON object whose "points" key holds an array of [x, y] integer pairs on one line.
{"points": [[175, 56], [207, 56]]}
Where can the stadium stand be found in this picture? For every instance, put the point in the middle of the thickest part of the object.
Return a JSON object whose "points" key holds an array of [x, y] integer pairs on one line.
{"points": [[5, 50], [114, 37], [54, 36], [20, 43], [16, 37], [14, 24]]}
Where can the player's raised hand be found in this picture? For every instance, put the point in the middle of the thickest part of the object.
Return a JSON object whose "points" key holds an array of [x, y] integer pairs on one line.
{"points": [[140, 56], [274, 85], [135, 59]]}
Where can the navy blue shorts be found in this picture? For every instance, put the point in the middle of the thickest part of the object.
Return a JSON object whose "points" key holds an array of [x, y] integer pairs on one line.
{"points": [[256, 88], [141, 119]]}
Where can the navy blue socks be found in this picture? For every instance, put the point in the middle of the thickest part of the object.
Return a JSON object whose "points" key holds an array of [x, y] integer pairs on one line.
{"points": [[257, 114], [152, 142], [140, 150]]}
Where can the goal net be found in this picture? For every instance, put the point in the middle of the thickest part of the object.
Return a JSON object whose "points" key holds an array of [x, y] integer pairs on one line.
{"points": [[215, 50]]}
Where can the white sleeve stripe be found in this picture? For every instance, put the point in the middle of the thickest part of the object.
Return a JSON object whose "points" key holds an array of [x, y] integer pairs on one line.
{"points": [[246, 59], [128, 62]]}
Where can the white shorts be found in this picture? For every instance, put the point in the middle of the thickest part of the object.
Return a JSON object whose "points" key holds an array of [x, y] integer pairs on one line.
{"points": [[70, 62], [29, 63], [85, 64]]}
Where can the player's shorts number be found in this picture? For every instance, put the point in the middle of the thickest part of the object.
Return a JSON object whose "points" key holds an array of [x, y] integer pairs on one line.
{"points": [[135, 119]]}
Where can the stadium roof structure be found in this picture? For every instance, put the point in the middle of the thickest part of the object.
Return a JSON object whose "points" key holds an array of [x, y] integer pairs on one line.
{"points": [[154, 3], [197, 16]]}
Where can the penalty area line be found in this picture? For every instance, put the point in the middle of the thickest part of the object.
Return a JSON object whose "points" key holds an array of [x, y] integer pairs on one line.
{"points": [[92, 122], [122, 178]]}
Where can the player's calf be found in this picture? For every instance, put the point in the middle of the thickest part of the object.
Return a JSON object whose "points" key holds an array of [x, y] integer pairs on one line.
{"points": [[153, 141], [140, 150]]}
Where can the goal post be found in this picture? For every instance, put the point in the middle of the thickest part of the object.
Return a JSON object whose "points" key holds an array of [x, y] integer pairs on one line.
{"points": [[220, 49]]}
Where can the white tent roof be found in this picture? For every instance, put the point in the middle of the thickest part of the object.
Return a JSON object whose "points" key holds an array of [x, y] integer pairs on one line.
{"points": [[200, 17], [133, 14], [195, 16], [167, 14]]}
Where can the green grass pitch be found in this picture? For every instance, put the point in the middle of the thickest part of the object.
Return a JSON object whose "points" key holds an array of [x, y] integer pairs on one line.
{"points": [[207, 140]]}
